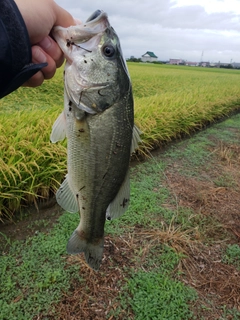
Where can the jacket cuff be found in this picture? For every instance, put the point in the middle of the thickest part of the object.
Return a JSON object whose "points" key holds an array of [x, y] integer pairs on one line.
{"points": [[26, 73], [15, 52]]}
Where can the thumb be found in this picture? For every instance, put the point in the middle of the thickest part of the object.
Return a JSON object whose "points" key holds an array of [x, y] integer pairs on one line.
{"points": [[63, 18]]}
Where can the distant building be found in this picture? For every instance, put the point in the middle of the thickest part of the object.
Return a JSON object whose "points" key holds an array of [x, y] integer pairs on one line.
{"points": [[177, 61], [149, 57], [204, 64], [192, 64], [236, 65], [214, 65]]}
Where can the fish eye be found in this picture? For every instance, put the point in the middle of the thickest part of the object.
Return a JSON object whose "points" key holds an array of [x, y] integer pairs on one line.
{"points": [[108, 51]]}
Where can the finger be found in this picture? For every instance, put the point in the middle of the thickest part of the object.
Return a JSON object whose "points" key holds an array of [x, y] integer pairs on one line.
{"points": [[39, 56], [52, 49], [63, 18], [77, 21]]}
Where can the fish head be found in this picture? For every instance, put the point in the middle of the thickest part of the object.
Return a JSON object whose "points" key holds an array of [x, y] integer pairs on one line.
{"points": [[66, 37], [96, 75]]}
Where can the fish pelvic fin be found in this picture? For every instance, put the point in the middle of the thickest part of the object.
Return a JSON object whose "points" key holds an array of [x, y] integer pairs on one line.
{"points": [[59, 129], [93, 252], [66, 198]]}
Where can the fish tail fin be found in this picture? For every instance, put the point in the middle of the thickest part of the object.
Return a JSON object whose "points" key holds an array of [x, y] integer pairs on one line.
{"points": [[93, 252]]}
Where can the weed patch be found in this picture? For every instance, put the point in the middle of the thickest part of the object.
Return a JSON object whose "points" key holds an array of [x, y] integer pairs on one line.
{"points": [[154, 295], [33, 273], [232, 255]]}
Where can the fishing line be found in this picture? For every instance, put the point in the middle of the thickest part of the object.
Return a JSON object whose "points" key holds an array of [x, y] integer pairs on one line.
{"points": [[69, 43]]}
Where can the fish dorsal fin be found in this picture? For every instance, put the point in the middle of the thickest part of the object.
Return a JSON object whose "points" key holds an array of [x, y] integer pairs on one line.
{"points": [[120, 203], [59, 129], [135, 138], [66, 198]]}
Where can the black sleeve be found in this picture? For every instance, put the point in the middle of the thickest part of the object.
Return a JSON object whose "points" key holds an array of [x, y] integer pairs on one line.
{"points": [[15, 49]]}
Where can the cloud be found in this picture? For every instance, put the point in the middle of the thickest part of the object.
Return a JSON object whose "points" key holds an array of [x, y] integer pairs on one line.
{"points": [[195, 17], [167, 29]]}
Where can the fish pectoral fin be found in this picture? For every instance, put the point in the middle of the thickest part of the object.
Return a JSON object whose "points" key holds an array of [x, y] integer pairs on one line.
{"points": [[120, 203], [135, 138], [59, 129], [93, 252], [66, 198]]}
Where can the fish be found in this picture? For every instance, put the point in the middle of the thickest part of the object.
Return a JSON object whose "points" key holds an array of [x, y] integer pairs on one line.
{"points": [[98, 122]]}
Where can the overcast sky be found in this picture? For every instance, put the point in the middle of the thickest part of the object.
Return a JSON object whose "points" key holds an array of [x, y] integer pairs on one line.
{"points": [[193, 30]]}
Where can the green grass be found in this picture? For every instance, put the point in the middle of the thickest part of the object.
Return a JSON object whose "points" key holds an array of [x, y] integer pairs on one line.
{"points": [[232, 314], [155, 294], [232, 255], [33, 273]]}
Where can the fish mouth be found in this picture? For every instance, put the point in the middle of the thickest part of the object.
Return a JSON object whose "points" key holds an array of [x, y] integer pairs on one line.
{"points": [[97, 23], [94, 15]]}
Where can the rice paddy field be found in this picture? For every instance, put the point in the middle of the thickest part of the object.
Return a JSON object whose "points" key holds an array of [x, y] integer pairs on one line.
{"points": [[175, 254], [170, 101]]}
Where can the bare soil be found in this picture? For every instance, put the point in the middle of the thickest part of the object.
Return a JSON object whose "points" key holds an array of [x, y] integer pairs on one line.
{"points": [[213, 193]]}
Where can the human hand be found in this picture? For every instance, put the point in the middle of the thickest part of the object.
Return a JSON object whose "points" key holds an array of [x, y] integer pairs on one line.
{"points": [[40, 17]]}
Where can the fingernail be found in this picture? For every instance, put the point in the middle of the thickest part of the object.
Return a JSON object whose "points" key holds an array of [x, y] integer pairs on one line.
{"points": [[39, 56], [45, 43]]}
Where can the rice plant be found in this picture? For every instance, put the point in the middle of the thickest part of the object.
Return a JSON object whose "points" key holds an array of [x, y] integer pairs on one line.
{"points": [[169, 101]]}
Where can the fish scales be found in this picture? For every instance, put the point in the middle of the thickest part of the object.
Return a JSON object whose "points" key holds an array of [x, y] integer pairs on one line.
{"points": [[98, 121], [103, 161]]}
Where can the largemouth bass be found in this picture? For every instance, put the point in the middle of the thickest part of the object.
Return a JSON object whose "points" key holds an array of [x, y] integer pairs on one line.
{"points": [[98, 121]]}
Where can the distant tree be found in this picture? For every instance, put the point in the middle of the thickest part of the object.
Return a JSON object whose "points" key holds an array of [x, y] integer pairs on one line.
{"points": [[157, 62], [133, 59], [228, 66]]}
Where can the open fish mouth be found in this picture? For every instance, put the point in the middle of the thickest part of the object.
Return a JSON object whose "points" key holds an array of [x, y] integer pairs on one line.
{"points": [[95, 15], [95, 24]]}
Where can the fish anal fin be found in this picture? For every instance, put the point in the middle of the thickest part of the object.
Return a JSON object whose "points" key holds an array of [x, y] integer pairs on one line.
{"points": [[93, 251], [59, 129], [120, 203], [66, 198]]}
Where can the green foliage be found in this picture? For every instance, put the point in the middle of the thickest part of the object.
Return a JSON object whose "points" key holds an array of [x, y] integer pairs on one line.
{"points": [[232, 255], [222, 132], [232, 314], [225, 180], [155, 294], [33, 273]]}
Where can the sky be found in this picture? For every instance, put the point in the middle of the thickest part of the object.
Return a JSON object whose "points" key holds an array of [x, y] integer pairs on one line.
{"points": [[193, 30]]}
